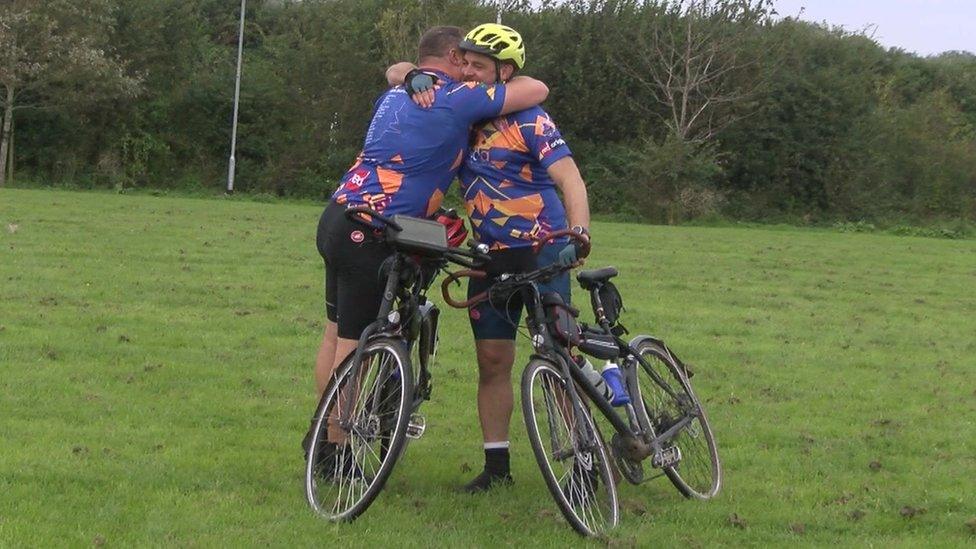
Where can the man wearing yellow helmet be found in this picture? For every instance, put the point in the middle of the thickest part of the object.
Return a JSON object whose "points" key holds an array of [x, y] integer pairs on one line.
{"points": [[500, 43], [509, 179]]}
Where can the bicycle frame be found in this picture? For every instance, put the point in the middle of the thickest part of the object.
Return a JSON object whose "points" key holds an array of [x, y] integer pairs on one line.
{"points": [[639, 437], [407, 288]]}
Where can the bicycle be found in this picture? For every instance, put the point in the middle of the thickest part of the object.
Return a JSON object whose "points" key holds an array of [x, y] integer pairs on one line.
{"points": [[371, 402], [664, 420]]}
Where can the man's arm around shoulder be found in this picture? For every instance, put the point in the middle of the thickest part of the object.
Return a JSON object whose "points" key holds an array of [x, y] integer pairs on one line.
{"points": [[523, 92]]}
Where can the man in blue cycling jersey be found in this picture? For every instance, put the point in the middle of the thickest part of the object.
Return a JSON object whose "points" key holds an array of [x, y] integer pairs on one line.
{"points": [[510, 179], [409, 158]]}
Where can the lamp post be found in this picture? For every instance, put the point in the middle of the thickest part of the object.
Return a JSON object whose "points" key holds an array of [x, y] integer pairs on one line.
{"points": [[237, 99]]}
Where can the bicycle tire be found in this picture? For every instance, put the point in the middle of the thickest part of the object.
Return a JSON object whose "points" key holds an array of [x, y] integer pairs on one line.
{"points": [[341, 486], [589, 453], [699, 473]]}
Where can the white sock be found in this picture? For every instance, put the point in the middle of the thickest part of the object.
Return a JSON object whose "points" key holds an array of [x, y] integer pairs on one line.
{"points": [[496, 445]]}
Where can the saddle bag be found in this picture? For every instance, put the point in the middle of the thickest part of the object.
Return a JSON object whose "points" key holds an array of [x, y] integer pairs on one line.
{"points": [[611, 300]]}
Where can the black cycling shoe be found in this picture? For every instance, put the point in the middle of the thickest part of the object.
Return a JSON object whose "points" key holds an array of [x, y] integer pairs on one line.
{"points": [[486, 481], [581, 486], [336, 464], [307, 440], [325, 462]]}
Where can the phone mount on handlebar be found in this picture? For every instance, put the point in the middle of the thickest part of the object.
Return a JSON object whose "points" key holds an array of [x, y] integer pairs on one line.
{"points": [[410, 234], [423, 237]]}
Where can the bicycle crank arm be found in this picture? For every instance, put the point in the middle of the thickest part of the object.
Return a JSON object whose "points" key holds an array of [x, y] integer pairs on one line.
{"points": [[630, 447], [674, 430]]}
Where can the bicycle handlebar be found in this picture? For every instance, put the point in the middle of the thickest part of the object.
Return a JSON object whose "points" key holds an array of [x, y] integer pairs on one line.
{"points": [[467, 273], [471, 259], [573, 235], [355, 214], [515, 279]]}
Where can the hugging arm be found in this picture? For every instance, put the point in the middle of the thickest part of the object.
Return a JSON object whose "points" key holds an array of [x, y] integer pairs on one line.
{"points": [[421, 90], [397, 72], [523, 92]]}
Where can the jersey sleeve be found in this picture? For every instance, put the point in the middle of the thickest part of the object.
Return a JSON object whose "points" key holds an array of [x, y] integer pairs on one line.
{"points": [[543, 138], [474, 101]]}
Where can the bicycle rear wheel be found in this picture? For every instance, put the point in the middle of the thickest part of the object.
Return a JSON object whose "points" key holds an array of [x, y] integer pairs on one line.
{"points": [[344, 476], [570, 451], [664, 400]]}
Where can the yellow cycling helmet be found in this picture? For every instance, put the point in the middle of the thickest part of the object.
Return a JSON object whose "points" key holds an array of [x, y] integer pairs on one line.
{"points": [[499, 42]]}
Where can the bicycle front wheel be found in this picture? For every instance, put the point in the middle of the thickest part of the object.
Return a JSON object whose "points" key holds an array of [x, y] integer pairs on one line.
{"points": [[570, 451], [360, 431], [665, 399]]}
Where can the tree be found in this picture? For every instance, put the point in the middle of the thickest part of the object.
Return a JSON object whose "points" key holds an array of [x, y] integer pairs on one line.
{"points": [[50, 55], [689, 58]]}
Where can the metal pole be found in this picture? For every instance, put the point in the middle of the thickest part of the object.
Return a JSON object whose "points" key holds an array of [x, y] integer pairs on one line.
{"points": [[498, 17], [237, 98]]}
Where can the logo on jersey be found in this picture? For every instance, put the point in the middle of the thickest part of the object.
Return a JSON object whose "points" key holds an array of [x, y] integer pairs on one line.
{"points": [[357, 180], [544, 126], [357, 236], [550, 146]]}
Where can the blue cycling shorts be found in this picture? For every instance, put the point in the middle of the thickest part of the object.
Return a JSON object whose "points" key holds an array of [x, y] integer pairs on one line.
{"points": [[500, 321]]}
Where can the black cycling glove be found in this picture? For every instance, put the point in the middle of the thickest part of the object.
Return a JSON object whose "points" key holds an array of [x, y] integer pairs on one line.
{"points": [[417, 81]]}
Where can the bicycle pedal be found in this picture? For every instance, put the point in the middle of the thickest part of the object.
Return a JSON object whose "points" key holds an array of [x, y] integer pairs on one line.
{"points": [[416, 427], [668, 457]]}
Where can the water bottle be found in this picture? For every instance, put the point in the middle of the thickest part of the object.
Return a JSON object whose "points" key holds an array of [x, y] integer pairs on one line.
{"points": [[595, 378], [615, 380]]}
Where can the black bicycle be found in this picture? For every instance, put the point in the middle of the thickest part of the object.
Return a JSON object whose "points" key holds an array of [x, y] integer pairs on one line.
{"points": [[369, 408], [663, 423]]}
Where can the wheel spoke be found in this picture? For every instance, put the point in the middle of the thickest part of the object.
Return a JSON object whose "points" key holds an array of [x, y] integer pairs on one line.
{"points": [[666, 398], [341, 484], [570, 452]]}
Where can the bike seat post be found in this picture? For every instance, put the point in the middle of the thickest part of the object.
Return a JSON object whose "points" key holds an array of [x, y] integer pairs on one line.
{"points": [[598, 311]]}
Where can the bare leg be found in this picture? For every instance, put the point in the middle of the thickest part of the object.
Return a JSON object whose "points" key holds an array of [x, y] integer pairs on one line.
{"points": [[344, 347], [495, 398], [325, 360]]}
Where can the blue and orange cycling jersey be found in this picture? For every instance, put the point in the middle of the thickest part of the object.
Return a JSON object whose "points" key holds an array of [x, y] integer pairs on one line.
{"points": [[411, 154], [509, 195]]}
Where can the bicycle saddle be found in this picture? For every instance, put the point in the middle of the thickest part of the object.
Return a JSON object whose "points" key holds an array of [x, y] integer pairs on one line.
{"points": [[589, 279]]}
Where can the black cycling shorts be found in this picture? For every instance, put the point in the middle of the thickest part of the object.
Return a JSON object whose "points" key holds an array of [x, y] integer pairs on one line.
{"points": [[354, 285]]}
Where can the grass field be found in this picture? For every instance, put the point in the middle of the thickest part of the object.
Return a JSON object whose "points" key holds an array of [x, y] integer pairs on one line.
{"points": [[155, 381]]}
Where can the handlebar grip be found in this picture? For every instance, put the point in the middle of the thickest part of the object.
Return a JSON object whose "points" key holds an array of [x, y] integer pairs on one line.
{"points": [[467, 273]]}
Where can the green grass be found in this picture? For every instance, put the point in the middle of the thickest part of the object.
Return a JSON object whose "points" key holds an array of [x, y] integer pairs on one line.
{"points": [[155, 381]]}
